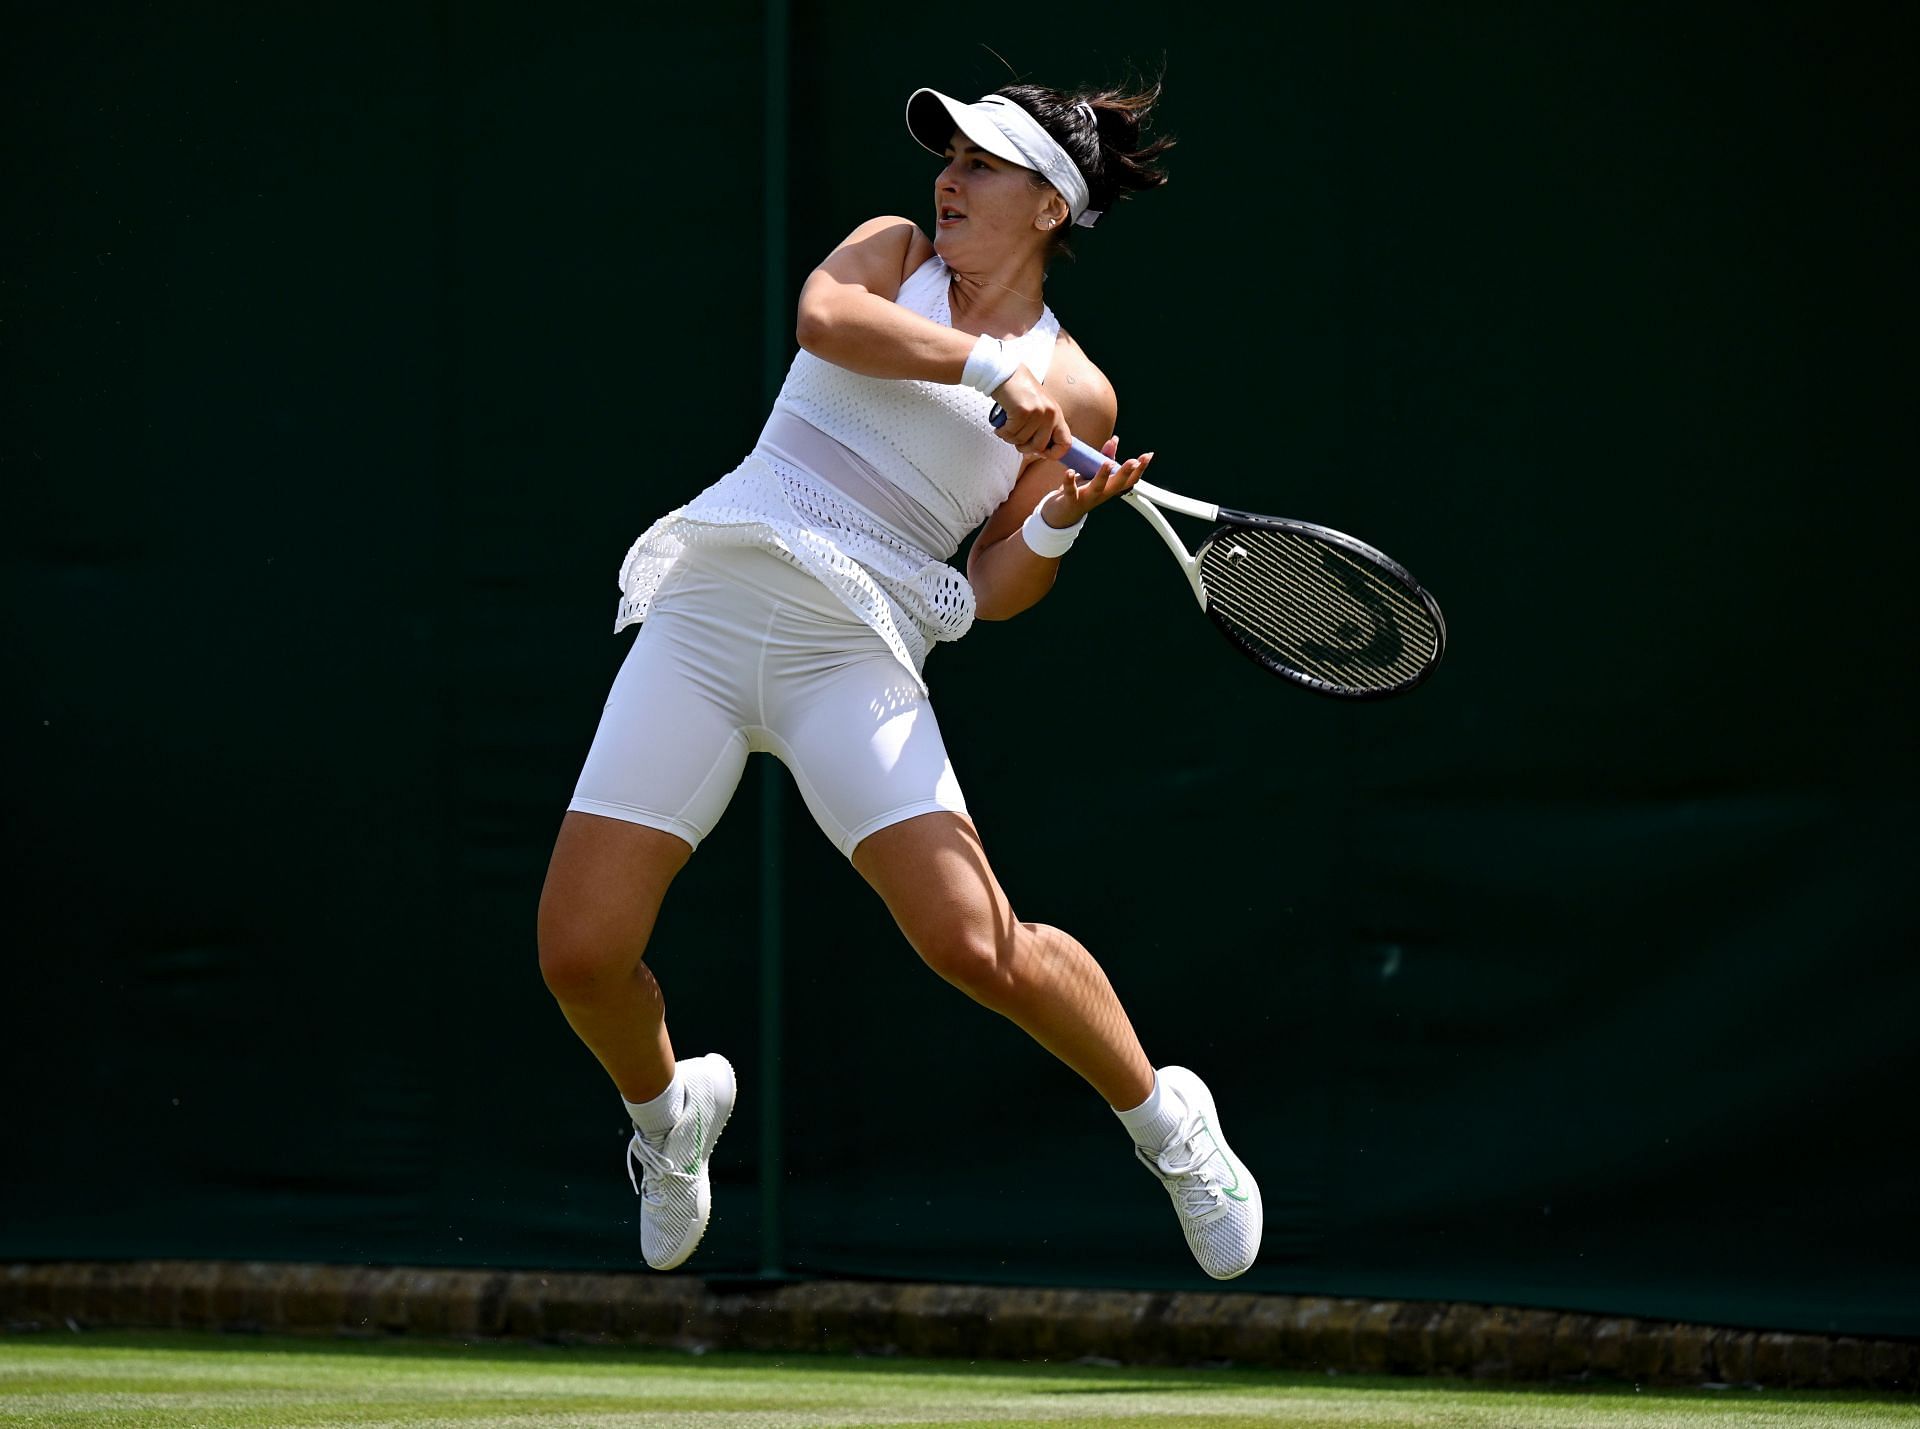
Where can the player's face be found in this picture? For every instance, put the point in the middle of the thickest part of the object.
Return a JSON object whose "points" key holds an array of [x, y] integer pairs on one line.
{"points": [[983, 205]]}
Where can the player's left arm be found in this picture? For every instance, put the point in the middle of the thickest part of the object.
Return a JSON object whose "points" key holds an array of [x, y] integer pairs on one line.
{"points": [[1007, 575]]}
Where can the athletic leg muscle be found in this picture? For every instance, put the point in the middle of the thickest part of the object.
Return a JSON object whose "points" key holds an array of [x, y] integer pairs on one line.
{"points": [[603, 893], [934, 877]]}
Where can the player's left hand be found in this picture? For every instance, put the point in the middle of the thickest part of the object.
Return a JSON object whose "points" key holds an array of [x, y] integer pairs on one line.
{"points": [[1074, 498]]}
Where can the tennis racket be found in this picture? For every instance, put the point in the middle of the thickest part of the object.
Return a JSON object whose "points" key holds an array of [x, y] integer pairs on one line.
{"points": [[1310, 604]]}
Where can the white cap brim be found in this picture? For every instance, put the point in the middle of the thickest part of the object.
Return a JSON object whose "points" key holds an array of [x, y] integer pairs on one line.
{"points": [[932, 118]]}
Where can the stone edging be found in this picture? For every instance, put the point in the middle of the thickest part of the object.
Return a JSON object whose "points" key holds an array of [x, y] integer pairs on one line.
{"points": [[1127, 1327]]}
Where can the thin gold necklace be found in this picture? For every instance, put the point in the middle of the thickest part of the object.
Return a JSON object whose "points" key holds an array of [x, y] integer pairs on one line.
{"points": [[960, 277]]}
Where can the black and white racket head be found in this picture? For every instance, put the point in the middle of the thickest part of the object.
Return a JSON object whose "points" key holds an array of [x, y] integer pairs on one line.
{"points": [[1319, 608]]}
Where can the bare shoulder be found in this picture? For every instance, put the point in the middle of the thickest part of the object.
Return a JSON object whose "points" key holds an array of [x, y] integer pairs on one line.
{"points": [[1082, 390], [919, 250], [879, 254], [888, 226]]}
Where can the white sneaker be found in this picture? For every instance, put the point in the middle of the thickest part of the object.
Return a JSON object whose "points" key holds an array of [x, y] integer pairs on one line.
{"points": [[675, 1196], [1215, 1195]]}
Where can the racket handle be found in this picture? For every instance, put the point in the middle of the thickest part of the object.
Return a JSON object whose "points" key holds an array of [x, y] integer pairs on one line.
{"points": [[1082, 460]]}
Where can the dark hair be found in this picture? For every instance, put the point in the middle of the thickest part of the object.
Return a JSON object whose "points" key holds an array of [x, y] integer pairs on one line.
{"points": [[1109, 151]]}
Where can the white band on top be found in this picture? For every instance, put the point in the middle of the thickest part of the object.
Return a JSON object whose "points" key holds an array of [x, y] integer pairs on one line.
{"points": [[1005, 130]]}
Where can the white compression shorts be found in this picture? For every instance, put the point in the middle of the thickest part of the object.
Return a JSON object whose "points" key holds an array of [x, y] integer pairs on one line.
{"points": [[742, 653]]}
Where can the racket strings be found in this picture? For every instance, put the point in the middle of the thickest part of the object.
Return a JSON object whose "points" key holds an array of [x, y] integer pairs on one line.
{"points": [[1308, 606], [1335, 599]]}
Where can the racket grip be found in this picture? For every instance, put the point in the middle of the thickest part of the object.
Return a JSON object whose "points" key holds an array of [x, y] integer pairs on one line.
{"points": [[1082, 460]]}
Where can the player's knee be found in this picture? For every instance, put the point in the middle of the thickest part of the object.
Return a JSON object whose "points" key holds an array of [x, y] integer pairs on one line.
{"points": [[581, 958], [974, 960]]}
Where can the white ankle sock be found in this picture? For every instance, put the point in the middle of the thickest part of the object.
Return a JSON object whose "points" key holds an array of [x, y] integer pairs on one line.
{"points": [[1155, 1119], [657, 1117]]}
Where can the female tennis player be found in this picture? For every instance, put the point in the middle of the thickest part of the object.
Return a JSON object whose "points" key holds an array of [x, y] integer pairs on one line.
{"points": [[789, 609]]}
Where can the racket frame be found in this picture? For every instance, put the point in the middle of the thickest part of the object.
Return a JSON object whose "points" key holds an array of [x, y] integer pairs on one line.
{"points": [[1147, 498]]}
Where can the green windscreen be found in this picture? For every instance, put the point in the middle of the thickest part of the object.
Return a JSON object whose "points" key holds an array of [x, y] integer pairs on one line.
{"points": [[348, 348]]}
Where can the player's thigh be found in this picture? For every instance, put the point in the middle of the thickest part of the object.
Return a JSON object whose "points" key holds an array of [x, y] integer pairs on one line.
{"points": [[671, 743], [664, 764], [932, 873], [863, 745]]}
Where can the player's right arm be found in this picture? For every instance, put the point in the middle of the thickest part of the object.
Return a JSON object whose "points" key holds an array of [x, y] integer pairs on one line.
{"points": [[848, 316]]}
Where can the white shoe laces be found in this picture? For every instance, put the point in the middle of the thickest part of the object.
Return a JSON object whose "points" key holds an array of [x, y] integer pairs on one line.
{"points": [[1196, 1186], [655, 1168]]}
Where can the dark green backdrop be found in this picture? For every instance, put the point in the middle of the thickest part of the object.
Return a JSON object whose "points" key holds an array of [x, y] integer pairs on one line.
{"points": [[347, 348]]}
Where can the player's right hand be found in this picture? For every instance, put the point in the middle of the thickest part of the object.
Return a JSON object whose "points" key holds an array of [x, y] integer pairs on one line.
{"points": [[1035, 424]]}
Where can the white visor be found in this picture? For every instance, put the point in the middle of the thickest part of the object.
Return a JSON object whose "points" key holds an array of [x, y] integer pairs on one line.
{"points": [[1005, 130]]}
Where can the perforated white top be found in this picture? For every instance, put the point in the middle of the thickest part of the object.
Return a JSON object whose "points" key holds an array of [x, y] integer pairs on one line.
{"points": [[943, 469]]}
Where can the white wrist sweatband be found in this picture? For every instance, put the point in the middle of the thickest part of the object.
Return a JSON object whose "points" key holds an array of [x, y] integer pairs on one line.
{"points": [[1045, 540], [989, 365]]}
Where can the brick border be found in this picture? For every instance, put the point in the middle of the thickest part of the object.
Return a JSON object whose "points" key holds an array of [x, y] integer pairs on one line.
{"points": [[1127, 1327]]}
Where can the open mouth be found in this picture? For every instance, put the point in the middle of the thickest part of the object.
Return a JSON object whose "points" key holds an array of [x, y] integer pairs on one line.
{"points": [[950, 216]]}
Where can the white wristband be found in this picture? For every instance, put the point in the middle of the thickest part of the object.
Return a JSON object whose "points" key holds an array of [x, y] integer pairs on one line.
{"points": [[1050, 541], [989, 365]]}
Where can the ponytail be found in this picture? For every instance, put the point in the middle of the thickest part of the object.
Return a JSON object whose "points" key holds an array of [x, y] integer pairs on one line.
{"points": [[1101, 130]]}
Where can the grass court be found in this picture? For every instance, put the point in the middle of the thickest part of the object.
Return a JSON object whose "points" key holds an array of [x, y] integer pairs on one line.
{"points": [[172, 1381]]}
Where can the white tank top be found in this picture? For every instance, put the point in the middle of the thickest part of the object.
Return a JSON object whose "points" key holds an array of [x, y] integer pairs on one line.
{"points": [[868, 483]]}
